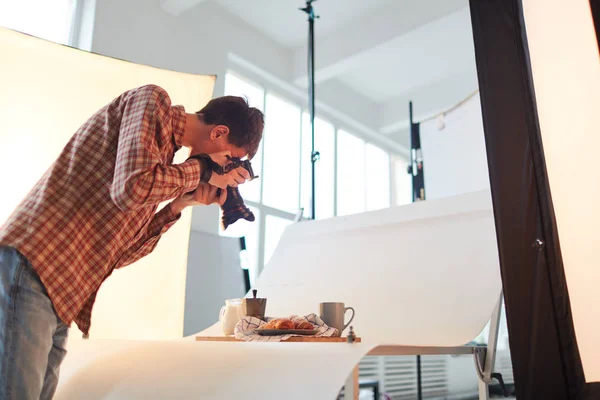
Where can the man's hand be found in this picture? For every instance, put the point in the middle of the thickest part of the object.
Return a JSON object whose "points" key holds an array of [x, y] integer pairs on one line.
{"points": [[203, 195], [233, 178]]}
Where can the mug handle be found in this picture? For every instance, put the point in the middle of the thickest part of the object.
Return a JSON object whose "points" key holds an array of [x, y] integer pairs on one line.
{"points": [[351, 318], [222, 312]]}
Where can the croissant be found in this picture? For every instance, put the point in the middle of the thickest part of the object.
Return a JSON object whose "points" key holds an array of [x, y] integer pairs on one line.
{"points": [[279, 323], [304, 325], [269, 325], [284, 324]]}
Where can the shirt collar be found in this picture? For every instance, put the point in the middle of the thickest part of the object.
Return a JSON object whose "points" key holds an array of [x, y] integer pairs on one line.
{"points": [[178, 125]]}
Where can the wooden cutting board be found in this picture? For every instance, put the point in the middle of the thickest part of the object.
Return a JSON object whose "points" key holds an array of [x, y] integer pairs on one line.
{"points": [[295, 339]]}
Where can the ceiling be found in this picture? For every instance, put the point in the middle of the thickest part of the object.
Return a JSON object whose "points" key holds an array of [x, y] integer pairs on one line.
{"points": [[386, 51], [285, 23], [430, 53]]}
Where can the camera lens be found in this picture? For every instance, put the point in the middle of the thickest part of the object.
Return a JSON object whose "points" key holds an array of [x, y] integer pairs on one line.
{"points": [[234, 208]]}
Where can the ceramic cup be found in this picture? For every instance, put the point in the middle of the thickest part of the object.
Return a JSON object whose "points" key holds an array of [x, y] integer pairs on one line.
{"points": [[333, 314]]}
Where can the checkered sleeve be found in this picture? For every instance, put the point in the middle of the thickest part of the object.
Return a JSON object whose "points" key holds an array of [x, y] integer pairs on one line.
{"points": [[141, 177], [162, 221]]}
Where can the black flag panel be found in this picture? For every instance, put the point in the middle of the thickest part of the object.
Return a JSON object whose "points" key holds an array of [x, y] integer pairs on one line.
{"points": [[595, 7]]}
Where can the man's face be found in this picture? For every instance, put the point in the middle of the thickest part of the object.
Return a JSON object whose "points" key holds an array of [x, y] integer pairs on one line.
{"points": [[237, 152], [224, 145]]}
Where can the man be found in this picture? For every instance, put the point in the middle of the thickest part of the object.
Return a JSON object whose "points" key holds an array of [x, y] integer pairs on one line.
{"points": [[95, 210]]}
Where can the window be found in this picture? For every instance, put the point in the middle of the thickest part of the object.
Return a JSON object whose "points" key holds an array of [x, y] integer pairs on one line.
{"points": [[363, 175], [251, 190], [274, 196], [281, 178], [324, 168], [255, 95], [350, 174], [50, 20], [377, 177]]}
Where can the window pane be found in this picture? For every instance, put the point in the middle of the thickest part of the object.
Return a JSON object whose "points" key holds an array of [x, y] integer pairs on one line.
{"points": [[324, 168], [281, 178], [402, 181], [274, 229], [235, 86], [377, 177], [50, 20], [250, 190], [250, 230], [350, 174]]}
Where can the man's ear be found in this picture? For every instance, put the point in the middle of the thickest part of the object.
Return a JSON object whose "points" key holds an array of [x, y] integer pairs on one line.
{"points": [[219, 131]]}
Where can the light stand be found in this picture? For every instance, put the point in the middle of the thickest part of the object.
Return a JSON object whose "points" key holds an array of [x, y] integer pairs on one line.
{"points": [[314, 155], [415, 169]]}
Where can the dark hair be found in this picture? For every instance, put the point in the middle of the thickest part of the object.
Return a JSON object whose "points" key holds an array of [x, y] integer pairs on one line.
{"points": [[245, 123]]}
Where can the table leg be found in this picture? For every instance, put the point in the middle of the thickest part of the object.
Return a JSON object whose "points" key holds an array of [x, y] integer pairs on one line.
{"points": [[484, 391], [351, 388]]}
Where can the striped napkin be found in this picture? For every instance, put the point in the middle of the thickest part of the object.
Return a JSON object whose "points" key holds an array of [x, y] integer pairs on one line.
{"points": [[244, 330]]}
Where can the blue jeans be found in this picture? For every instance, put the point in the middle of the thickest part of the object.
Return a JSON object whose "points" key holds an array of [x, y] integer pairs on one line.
{"points": [[32, 337]]}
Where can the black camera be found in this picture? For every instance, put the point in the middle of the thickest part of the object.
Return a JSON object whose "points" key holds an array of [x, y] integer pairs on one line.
{"points": [[234, 207]]}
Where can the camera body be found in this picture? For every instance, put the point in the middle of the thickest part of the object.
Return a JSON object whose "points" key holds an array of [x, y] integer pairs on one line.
{"points": [[234, 207]]}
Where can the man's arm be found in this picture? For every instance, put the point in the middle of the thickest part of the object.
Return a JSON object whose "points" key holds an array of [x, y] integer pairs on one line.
{"points": [[141, 177], [167, 217], [161, 222]]}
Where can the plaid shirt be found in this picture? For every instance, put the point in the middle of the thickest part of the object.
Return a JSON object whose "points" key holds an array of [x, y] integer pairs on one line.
{"points": [[95, 208]]}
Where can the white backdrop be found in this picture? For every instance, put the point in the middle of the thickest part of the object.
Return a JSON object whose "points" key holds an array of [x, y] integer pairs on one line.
{"points": [[47, 92], [454, 158], [407, 271]]}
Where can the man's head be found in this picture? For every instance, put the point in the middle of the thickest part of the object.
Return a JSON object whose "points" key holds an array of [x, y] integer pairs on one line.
{"points": [[227, 123]]}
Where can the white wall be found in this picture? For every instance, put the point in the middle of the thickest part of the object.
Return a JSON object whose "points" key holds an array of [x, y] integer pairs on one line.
{"points": [[455, 159], [216, 276], [142, 32], [566, 77]]}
